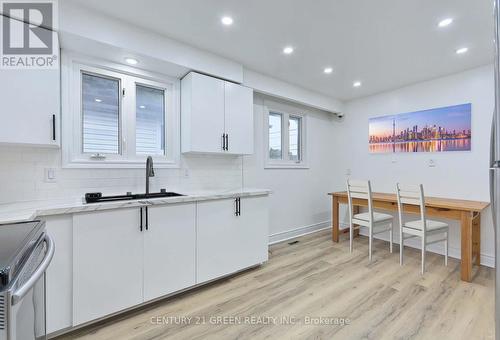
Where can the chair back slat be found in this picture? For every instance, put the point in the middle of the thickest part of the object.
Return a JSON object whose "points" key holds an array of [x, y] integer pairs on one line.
{"points": [[410, 200], [360, 195], [411, 195], [362, 190]]}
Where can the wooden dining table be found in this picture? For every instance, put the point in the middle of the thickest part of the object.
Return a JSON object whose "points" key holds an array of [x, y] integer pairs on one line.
{"points": [[465, 211]]}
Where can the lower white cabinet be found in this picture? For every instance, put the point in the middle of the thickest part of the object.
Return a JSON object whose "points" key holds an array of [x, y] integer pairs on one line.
{"points": [[119, 264], [227, 243], [169, 250], [59, 275], [111, 260], [107, 263]]}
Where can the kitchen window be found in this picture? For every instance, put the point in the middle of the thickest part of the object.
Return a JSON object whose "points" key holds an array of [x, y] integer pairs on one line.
{"points": [[117, 116], [285, 138]]}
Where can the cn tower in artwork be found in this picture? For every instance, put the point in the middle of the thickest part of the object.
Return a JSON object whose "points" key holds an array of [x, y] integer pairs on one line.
{"points": [[394, 135]]}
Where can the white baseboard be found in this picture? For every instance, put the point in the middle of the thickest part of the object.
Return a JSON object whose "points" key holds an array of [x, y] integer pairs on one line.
{"points": [[289, 234], [486, 259]]}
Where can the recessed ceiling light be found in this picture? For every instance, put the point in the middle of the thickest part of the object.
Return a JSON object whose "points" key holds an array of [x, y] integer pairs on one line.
{"points": [[288, 50], [445, 22], [328, 70], [131, 61], [227, 21], [98, 100], [142, 106], [356, 84], [462, 50]]}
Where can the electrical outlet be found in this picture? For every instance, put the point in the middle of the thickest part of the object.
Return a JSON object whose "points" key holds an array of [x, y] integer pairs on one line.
{"points": [[186, 173], [394, 160], [50, 175], [348, 172]]}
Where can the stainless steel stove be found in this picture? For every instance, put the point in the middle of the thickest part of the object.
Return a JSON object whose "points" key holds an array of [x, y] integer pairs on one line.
{"points": [[25, 253]]}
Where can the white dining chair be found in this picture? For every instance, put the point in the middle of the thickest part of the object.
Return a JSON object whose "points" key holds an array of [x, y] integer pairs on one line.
{"points": [[375, 222], [423, 228]]}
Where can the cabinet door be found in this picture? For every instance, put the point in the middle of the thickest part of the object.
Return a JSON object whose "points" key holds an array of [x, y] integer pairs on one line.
{"points": [[107, 263], [169, 249], [202, 113], [239, 118], [30, 105], [59, 275], [227, 243]]}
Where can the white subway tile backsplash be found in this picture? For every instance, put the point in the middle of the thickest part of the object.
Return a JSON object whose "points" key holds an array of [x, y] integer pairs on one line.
{"points": [[22, 176]]}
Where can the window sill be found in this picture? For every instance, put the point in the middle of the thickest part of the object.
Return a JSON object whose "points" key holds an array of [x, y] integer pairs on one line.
{"points": [[118, 164], [286, 166]]}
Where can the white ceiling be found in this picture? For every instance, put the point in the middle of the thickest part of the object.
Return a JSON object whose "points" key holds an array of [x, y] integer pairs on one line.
{"points": [[385, 44]]}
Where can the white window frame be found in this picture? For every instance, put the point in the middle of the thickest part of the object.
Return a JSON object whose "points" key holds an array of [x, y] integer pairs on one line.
{"points": [[286, 112], [72, 141]]}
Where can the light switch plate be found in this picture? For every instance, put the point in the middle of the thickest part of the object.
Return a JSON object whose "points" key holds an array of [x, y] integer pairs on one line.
{"points": [[432, 163], [348, 172], [50, 175]]}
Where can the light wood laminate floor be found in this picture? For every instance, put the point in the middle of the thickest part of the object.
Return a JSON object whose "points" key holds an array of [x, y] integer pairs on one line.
{"points": [[317, 278]]}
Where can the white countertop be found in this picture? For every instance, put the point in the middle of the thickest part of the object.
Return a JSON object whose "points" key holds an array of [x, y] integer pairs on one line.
{"points": [[27, 211]]}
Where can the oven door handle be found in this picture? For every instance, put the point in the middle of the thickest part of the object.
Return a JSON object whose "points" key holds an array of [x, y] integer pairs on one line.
{"points": [[37, 274]]}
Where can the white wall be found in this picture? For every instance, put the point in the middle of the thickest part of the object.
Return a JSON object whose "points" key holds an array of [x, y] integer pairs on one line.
{"points": [[456, 175], [299, 202]]}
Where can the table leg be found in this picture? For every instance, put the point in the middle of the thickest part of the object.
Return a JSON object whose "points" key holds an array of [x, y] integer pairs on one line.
{"points": [[476, 238], [335, 219], [466, 246]]}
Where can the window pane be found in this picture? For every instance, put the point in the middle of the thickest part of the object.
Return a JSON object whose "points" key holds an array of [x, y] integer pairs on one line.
{"points": [[101, 114], [150, 121], [275, 136], [294, 140]]}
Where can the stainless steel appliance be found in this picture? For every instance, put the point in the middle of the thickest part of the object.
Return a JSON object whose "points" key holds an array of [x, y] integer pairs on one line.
{"points": [[25, 253], [495, 168]]}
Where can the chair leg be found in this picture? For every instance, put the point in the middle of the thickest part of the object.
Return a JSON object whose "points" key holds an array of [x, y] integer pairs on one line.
{"points": [[401, 246], [423, 255], [350, 237], [446, 250], [370, 241], [390, 239]]}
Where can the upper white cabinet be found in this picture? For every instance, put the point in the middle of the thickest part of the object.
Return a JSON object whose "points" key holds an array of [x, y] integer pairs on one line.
{"points": [[216, 116], [30, 105], [238, 118]]}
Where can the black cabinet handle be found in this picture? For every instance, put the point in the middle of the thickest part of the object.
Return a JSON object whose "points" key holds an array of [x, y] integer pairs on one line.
{"points": [[147, 217], [140, 227], [238, 207], [227, 141], [223, 142], [54, 127]]}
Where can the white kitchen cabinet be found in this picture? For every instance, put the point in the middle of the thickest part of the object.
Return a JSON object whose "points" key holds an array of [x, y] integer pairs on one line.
{"points": [[202, 113], [30, 105], [216, 116], [59, 275], [227, 243], [238, 118], [169, 249], [107, 263]]}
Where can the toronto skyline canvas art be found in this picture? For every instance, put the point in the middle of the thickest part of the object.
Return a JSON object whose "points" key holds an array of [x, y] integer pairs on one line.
{"points": [[436, 130]]}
